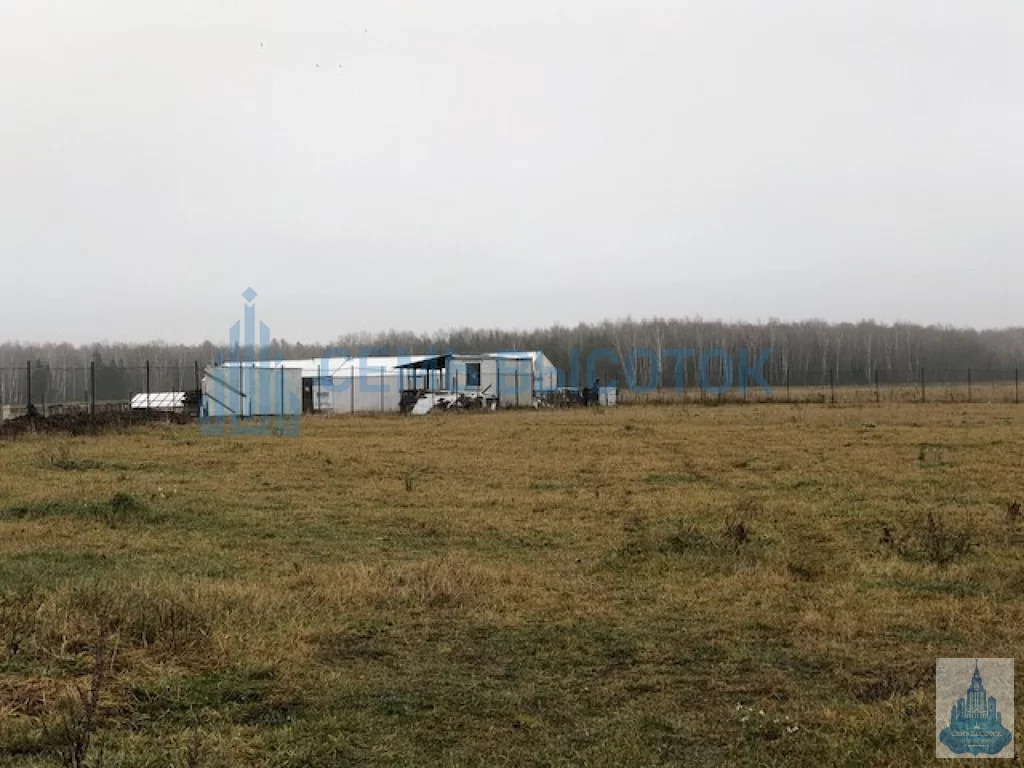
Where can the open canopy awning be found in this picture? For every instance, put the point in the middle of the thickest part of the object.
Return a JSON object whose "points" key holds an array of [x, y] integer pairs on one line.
{"points": [[429, 363]]}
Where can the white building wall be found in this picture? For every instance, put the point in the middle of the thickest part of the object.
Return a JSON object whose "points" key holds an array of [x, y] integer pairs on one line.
{"points": [[545, 374], [365, 392]]}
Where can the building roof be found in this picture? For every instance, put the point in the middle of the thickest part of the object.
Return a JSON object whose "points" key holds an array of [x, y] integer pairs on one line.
{"points": [[334, 366], [430, 363], [513, 355], [343, 366]]}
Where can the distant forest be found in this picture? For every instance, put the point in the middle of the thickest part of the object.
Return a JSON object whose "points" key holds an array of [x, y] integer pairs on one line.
{"points": [[808, 353]]}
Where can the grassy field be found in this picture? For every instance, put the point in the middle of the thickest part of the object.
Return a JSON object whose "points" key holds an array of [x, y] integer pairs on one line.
{"points": [[738, 585]]}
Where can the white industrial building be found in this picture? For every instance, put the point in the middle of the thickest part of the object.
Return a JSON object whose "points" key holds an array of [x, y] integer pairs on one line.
{"points": [[374, 383]]}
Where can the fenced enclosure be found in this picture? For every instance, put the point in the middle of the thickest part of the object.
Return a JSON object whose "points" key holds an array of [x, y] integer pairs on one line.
{"points": [[55, 390], [97, 388]]}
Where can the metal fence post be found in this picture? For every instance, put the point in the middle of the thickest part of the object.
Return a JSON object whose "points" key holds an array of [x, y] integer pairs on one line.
{"points": [[1016, 385], [517, 385], [92, 388], [352, 390], [832, 384], [968, 384], [199, 394], [924, 394], [28, 369], [147, 385], [878, 395], [788, 398]]}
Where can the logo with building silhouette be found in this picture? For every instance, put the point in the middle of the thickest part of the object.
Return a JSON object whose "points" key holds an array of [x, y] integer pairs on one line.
{"points": [[976, 723], [248, 392]]}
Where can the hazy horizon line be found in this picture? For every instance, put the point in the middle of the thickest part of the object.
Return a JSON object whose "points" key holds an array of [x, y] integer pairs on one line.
{"points": [[628, 319]]}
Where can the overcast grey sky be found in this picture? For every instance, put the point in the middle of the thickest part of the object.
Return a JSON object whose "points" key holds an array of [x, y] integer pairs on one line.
{"points": [[368, 165]]}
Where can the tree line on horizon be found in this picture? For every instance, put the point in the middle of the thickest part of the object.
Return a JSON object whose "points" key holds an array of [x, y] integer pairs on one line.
{"points": [[806, 353]]}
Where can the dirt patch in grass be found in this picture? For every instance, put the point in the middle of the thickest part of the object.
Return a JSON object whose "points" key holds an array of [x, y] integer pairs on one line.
{"points": [[86, 424]]}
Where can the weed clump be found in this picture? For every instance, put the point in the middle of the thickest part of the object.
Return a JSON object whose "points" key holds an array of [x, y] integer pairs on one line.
{"points": [[943, 543], [689, 538], [735, 535], [933, 539], [806, 569], [1013, 512], [738, 532], [158, 615], [58, 455], [76, 726], [636, 537], [123, 504]]}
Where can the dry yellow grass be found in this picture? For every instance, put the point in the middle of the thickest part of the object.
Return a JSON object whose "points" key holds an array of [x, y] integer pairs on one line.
{"points": [[599, 587]]}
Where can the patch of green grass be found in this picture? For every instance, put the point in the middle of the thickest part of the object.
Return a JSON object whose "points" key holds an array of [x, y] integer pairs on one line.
{"points": [[46, 569], [805, 483], [248, 696], [119, 509], [679, 478], [933, 586]]}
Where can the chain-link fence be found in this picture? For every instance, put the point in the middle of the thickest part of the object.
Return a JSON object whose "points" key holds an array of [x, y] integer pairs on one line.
{"points": [[51, 390], [832, 386]]}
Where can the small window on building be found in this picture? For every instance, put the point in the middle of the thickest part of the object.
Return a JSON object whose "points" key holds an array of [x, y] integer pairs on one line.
{"points": [[472, 375]]}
